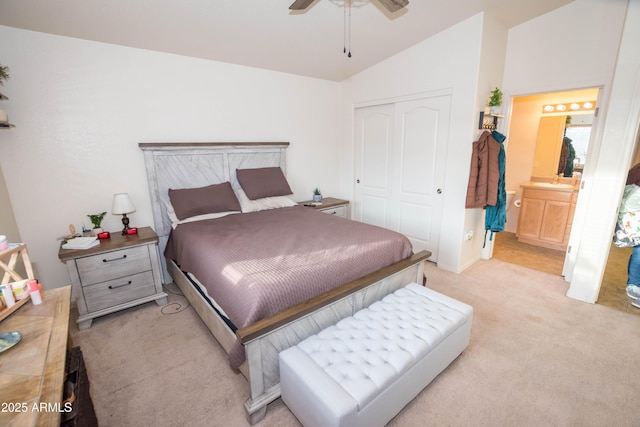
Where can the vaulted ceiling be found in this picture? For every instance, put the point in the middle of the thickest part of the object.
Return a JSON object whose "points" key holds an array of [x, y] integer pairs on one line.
{"points": [[263, 33]]}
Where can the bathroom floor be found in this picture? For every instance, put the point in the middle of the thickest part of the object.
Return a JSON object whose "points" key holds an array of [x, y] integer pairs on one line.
{"points": [[613, 289]]}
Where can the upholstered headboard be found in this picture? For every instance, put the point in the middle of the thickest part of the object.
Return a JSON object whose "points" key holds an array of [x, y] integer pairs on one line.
{"points": [[190, 165]]}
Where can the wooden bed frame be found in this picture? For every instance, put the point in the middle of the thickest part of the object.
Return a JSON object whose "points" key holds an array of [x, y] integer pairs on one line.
{"points": [[187, 165]]}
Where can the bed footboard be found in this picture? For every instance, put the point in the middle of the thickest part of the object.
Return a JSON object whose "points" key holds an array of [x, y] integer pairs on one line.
{"points": [[264, 340]]}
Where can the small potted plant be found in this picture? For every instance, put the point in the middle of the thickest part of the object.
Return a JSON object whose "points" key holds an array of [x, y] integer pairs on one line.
{"points": [[317, 195], [4, 74], [96, 220], [495, 101]]}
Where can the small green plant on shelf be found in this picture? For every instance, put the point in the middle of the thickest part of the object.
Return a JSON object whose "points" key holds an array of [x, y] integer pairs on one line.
{"points": [[96, 219], [4, 74], [496, 98]]}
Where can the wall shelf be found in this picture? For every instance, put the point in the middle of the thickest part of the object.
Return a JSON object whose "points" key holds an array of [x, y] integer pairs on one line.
{"points": [[5, 125], [488, 121]]}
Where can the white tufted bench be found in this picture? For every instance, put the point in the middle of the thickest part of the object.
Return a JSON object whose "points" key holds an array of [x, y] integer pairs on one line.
{"points": [[366, 368]]}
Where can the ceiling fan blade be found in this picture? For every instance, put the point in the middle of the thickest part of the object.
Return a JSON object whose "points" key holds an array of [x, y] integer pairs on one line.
{"points": [[300, 4], [394, 5]]}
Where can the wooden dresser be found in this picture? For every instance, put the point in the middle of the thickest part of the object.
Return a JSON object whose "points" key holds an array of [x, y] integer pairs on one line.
{"points": [[32, 372]]}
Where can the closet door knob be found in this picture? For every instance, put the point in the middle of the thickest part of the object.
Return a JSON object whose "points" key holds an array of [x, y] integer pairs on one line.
{"points": [[439, 191]]}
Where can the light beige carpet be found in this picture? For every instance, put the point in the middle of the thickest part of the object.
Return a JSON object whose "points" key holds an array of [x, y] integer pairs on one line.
{"points": [[536, 358]]}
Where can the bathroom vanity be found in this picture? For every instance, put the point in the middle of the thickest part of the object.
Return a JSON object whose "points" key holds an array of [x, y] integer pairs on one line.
{"points": [[546, 214]]}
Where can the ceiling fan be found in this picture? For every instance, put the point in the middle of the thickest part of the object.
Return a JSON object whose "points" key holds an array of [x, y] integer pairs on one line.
{"points": [[390, 5]]}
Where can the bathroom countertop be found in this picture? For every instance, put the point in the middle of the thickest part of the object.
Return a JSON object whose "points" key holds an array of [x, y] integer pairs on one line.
{"points": [[550, 186]]}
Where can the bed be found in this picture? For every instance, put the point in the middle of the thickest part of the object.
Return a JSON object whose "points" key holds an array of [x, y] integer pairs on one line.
{"points": [[263, 280]]}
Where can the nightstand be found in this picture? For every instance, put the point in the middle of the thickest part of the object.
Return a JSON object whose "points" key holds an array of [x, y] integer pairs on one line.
{"points": [[330, 205], [121, 272]]}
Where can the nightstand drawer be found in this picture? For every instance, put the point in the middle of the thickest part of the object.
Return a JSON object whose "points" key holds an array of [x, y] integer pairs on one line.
{"points": [[118, 291], [113, 264], [338, 211]]}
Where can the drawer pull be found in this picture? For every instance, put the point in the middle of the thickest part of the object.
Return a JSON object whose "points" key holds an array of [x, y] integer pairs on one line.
{"points": [[115, 259], [120, 286]]}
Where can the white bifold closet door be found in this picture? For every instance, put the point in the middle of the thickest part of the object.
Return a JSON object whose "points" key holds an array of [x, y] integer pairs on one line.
{"points": [[400, 151]]}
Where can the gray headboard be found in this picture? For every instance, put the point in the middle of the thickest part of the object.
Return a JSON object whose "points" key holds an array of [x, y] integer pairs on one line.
{"points": [[189, 165]]}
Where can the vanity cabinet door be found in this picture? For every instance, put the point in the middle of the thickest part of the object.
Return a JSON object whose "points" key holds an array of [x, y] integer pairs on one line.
{"points": [[530, 220], [554, 221], [545, 217]]}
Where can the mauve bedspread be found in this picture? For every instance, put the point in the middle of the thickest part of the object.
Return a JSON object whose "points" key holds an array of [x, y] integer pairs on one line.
{"points": [[257, 264]]}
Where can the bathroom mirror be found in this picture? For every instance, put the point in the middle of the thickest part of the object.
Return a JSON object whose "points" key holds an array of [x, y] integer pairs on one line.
{"points": [[552, 130]]}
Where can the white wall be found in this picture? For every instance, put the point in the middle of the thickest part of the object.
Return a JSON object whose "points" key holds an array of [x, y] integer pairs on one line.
{"points": [[492, 57], [450, 60], [80, 109], [573, 47], [8, 225]]}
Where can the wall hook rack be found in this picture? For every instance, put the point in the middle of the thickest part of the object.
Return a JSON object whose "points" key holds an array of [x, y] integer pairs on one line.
{"points": [[488, 121]]}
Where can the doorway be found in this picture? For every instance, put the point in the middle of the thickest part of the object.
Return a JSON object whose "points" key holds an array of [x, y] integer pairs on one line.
{"points": [[538, 127], [533, 152], [542, 128], [522, 140], [613, 287]]}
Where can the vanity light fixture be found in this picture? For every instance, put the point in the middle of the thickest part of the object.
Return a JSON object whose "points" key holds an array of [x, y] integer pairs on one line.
{"points": [[573, 106]]}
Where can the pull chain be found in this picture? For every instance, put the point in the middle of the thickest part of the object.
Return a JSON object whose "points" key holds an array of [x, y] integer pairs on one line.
{"points": [[347, 31], [344, 24], [349, 54]]}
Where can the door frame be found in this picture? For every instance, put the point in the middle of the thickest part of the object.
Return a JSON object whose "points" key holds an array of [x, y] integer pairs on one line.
{"points": [[570, 255]]}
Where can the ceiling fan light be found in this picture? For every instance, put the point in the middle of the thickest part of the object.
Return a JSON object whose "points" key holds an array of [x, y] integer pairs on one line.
{"points": [[394, 5]]}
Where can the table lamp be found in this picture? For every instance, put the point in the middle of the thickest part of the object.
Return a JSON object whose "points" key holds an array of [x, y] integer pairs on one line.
{"points": [[122, 205]]}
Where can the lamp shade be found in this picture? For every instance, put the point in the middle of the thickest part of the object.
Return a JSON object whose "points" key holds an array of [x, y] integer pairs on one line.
{"points": [[122, 204]]}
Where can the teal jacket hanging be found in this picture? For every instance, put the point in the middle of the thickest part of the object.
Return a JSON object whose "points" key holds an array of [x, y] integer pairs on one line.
{"points": [[496, 216]]}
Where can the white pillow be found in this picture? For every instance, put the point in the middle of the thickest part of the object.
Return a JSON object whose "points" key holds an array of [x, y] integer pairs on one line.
{"points": [[175, 221], [275, 202]]}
